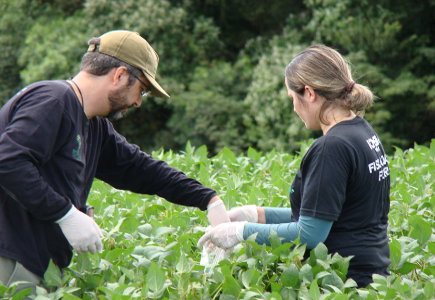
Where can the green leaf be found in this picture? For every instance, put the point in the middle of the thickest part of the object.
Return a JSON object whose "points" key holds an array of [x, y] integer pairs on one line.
{"points": [[340, 297], [314, 290], [130, 224], [151, 251], [250, 277], [350, 283], [22, 294], [431, 247], [407, 267], [230, 285], [288, 293], [253, 154], [228, 156], [204, 176], [183, 265], [155, 278], [332, 280], [395, 253], [275, 241], [341, 265], [201, 153], [83, 262], [145, 229], [189, 149], [306, 273], [290, 276], [429, 289], [52, 277], [67, 296], [321, 251], [275, 296], [276, 286], [162, 230], [3, 289], [421, 230]]}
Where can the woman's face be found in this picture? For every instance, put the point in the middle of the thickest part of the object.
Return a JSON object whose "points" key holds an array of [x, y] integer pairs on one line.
{"points": [[305, 107]]}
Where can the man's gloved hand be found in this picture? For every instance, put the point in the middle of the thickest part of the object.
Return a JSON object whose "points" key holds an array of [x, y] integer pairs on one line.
{"points": [[225, 235], [217, 213], [81, 231], [244, 213]]}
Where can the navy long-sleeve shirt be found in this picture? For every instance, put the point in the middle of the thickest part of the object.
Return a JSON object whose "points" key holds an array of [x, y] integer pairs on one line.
{"points": [[50, 154]]}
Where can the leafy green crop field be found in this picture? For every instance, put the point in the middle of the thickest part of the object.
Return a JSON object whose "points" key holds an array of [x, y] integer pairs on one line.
{"points": [[150, 245]]}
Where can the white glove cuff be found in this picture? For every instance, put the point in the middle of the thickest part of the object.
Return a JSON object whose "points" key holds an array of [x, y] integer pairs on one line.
{"points": [[253, 213], [214, 204], [239, 231], [217, 213], [70, 212]]}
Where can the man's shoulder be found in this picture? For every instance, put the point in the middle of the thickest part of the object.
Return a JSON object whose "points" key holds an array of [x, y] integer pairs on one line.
{"points": [[55, 86], [44, 89]]}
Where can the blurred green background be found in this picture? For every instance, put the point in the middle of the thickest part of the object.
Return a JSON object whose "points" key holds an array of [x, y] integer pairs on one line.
{"points": [[223, 63]]}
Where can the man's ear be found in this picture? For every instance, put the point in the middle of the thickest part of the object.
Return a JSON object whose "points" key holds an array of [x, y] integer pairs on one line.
{"points": [[119, 75]]}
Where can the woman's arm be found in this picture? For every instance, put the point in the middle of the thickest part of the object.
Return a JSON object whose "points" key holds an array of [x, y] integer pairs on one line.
{"points": [[276, 215], [262, 215], [310, 230]]}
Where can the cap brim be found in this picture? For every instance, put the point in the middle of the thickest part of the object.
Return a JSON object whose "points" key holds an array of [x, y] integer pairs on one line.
{"points": [[156, 89]]}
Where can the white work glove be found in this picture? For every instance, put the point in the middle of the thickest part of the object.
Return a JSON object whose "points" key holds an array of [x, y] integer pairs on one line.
{"points": [[225, 235], [81, 231], [244, 213], [217, 213]]}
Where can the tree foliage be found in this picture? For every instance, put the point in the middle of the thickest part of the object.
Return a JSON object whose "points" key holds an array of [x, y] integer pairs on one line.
{"points": [[223, 63]]}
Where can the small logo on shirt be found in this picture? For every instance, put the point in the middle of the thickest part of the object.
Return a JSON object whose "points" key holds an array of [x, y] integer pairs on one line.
{"points": [[76, 152], [374, 143]]}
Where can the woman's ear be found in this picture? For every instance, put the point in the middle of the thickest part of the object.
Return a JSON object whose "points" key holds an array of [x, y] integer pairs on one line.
{"points": [[310, 94]]}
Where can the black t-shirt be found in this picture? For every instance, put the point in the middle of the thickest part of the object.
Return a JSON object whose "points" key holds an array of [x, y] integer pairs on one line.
{"points": [[50, 154], [344, 177]]}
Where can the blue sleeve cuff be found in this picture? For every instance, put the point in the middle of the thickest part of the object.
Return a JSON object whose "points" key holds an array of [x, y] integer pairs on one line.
{"points": [[277, 215], [310, 230]]}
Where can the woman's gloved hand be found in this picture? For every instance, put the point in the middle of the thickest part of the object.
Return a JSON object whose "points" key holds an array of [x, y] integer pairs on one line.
{"points": [[225, 235], [244, 213]]}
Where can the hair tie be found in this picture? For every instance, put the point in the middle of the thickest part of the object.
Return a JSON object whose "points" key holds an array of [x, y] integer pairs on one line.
{"points": [[350, 86]]}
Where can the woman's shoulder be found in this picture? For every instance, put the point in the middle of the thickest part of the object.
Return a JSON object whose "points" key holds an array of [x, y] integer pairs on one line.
{"points": [[330, 146]]}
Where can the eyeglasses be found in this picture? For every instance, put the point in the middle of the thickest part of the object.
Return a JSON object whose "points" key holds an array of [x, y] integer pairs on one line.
{"points": [[145, 89]]}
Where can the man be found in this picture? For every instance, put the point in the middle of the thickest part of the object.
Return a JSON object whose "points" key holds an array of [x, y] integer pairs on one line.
{"points": [[55, 139]]}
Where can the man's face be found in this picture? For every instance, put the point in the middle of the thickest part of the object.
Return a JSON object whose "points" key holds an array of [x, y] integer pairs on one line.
{"points": [[128, 96], [119, 104]]}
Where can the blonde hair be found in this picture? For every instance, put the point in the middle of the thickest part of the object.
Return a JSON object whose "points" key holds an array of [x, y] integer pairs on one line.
{"points": [[329, 74]]}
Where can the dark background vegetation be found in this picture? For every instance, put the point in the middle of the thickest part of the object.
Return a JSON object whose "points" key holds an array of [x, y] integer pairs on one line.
{"points": [[223, 63]]}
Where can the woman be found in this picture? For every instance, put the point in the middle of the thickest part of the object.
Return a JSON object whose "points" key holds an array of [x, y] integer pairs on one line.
{"points": [[340, 195]]}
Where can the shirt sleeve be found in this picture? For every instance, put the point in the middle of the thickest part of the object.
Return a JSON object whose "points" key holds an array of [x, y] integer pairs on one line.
{"points": [[325, 171], [277, 215], [125, 166], [26, 143], [310, 230]]}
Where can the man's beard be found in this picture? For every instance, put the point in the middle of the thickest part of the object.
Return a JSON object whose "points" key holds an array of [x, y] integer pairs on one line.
{"points": [[117, 106], [115, 115]]}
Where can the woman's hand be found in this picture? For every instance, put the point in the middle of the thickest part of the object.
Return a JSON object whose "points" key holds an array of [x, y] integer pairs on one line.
{"points": [[225, 235], [249, 213]]}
